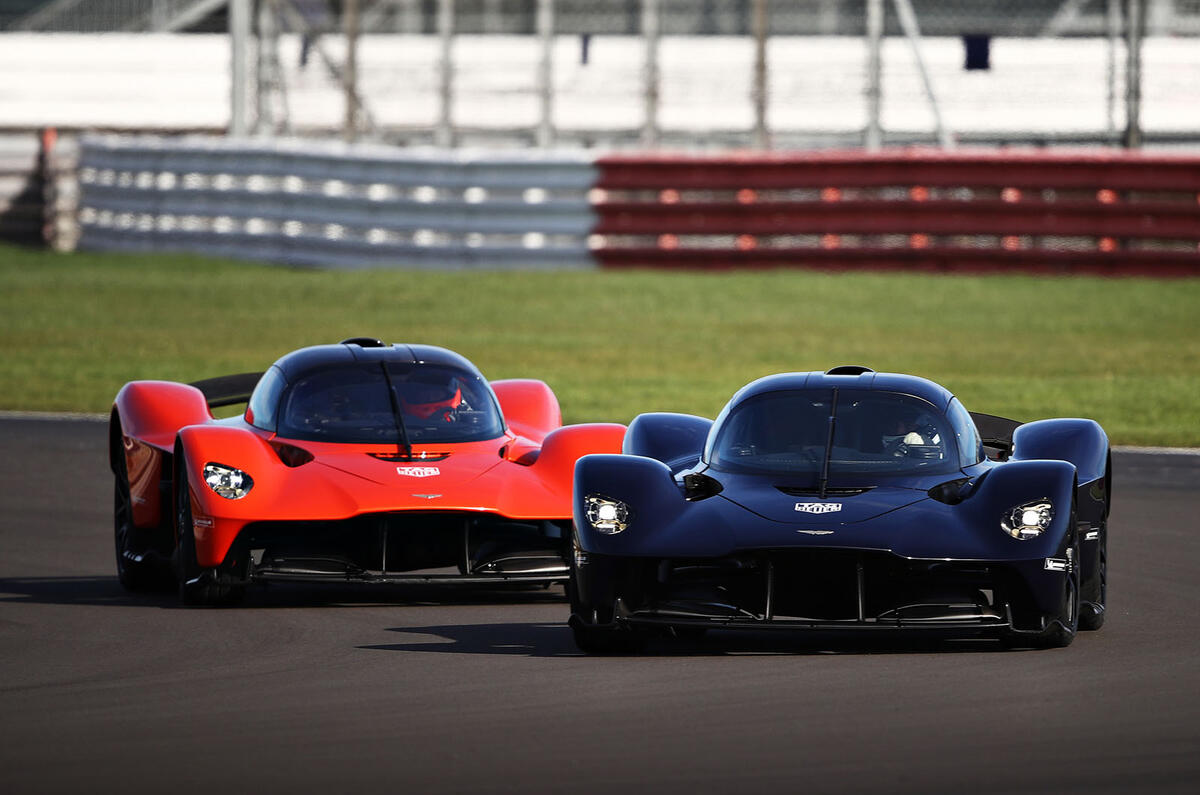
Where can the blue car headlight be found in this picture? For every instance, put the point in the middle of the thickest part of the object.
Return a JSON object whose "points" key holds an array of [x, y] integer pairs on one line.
{"points": [[1028, 520], [227, 482], [606, 515]]}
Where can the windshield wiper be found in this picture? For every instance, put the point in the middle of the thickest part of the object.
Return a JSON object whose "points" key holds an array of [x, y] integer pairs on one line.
{"points": [[829, 445], [401, 431]]}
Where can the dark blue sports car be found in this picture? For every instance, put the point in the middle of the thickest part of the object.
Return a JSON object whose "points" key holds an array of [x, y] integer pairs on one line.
{"points": [[842, 500]]}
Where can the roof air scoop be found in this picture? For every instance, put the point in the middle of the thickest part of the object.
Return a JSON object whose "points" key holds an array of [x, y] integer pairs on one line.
{"points": [[849, 369], [363, 342]]}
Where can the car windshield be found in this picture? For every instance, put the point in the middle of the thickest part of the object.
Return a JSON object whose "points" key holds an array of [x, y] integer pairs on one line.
{"points": [[875, 433], [438, 404]]}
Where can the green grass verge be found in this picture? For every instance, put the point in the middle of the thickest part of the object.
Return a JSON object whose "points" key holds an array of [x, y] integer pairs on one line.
{"points": [[612, 344]]}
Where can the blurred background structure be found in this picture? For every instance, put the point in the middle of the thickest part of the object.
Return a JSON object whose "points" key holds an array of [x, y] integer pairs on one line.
{"points": [[273, 84], [612, 73]]}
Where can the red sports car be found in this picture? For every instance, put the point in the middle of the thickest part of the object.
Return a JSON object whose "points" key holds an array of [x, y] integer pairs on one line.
{"points": [[352, 462]]}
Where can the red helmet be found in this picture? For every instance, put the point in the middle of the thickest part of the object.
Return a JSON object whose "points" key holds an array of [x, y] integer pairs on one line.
{"points": [[427, 400]]}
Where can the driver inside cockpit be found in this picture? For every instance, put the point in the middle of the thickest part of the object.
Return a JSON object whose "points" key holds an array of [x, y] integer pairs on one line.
{"points": [[911, 433]]}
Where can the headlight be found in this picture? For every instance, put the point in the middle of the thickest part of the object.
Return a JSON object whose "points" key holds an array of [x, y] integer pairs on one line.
{"points": [[230, 483], [1029, 520], [606, 516]]}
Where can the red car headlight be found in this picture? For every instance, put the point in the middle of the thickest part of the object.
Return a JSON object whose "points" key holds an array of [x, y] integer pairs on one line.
{"points": [[226, 481]]}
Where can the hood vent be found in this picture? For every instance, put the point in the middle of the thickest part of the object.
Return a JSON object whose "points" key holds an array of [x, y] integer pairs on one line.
{"points": [[400, 456], [831, 491]]}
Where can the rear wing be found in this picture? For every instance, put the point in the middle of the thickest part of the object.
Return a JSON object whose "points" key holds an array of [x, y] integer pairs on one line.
{"points": [[997, 434], [227, 390]]}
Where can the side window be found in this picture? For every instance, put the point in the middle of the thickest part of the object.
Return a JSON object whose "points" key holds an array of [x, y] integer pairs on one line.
{"points": [[264, 403], [970, 447]]}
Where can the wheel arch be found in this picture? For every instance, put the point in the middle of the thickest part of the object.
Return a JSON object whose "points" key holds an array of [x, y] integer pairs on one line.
{"points": [[667, 437], [529, 406], [1081, 442]]}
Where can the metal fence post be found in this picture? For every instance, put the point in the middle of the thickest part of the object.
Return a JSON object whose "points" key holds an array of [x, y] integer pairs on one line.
{"points": [[650, 21], [1134, 19], [269, 80], [759, 91], [239, 37], [444, 133], [908, 23], [1113, 16], [873, 138], [545, 32], [350, 71]]}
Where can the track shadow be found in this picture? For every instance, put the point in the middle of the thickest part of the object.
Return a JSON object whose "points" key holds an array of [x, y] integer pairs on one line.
{"points": [[276, 595], [555, 640], [522, 639], [78, 591], [106, 591]]}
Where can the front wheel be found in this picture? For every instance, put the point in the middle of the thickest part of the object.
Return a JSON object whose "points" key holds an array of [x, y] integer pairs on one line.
{"points": [[1060, 630], [197, 587], [592, 637], [1091, 612]]}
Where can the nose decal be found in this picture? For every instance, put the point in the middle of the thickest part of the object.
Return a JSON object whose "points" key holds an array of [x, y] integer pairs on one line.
{"points": [[818, 507], [418, 472]]}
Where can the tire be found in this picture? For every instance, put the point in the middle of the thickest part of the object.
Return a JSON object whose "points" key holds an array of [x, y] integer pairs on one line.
{"points": [[1061, 630], [1091, 615], [134, 571], [197, 588], [591, 638]]}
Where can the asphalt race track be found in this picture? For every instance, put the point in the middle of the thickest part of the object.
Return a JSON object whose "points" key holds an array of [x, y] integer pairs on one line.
{"points": [[311, 689]]}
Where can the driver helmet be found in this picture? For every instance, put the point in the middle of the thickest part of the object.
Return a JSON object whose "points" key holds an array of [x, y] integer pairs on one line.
{"points": [[911, 426], [424, 400]]}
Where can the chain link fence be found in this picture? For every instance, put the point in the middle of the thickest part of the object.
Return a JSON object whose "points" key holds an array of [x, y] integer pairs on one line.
{"points": [[636, 73]]}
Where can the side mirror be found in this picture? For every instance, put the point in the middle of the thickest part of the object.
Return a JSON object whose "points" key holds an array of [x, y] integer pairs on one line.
{"points": [[699, 486]]}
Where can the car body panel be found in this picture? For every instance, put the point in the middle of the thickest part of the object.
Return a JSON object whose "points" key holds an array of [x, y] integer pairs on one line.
{"points": [[903, 521], [348, 480]]}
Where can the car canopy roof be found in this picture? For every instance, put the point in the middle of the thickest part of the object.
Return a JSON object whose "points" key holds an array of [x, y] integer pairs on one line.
{"points": [[306, 361], [923, 388]]}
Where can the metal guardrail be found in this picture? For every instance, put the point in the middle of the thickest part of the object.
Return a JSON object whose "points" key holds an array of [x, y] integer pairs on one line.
{"points": [[357, 163], [983, 210], [344, 206], [335, 205]]}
